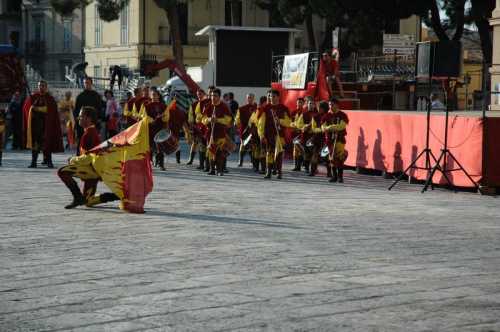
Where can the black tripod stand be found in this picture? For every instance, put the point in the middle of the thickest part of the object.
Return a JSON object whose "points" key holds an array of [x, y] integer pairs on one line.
{"points": [[426, 153], [445, 154]]}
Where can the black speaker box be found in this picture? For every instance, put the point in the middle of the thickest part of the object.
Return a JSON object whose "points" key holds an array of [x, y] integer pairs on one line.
{"points": [[439, 59]]}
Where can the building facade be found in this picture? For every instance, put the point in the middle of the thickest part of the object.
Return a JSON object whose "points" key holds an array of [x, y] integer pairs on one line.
{"points": [[142, 31], [10, 23], [51, 43]]}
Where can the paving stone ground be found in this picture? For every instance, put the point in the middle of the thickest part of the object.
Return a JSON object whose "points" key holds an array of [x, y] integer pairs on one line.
{"points": [[243, 254]]}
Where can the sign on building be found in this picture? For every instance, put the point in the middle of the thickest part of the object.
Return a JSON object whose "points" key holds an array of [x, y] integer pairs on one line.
{"points": [[401, 44], [295, 71]]}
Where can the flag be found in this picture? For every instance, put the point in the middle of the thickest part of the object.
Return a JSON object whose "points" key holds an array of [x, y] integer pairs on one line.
{"points": [[123, 162], [322, 92]]}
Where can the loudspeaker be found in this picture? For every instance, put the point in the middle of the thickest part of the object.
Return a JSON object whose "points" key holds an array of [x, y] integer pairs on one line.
{"points": [[439, 59]]}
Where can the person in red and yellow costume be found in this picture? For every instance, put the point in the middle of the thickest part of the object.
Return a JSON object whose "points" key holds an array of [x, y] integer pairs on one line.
{"points": [[242, 122], [42, 126], [128, 115], [79, 167], [333, 125], [258, 152], [153, 110], [176, 121], [302, 125], [194, 131], [272, 122], [298, 153], [217, 117], [122, 162], [318, 139], [140, 101], [332, 73], [201, 131]]}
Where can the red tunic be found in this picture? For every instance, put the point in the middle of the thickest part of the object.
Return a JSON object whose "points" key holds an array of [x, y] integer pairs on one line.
{"points": [[330, 67], [90, 139], [281, 111], [246, 112], [308, 117], [52, 135], [176, 121], [335, 118], [154, 110], [221, 110]]}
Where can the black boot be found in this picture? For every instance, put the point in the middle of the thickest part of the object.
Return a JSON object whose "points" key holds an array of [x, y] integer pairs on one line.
{"points": [[334, 175], [328, 171], [207, 164], [191, 158], [49, 161], [255, 164], [224, 165], [1, 158], [201, 157], [313, 170], [262, 166], [269, 170], [212, 168], [161, 161], [242, 154], [34, 158], [78, 198], [220, 167], [298, 164], [178, 156], [340, 172], [306, 165]]}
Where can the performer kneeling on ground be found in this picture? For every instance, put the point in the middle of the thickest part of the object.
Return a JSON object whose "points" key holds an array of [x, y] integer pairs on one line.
{"points": [[334, 124], [81, 166], [274, 118]]}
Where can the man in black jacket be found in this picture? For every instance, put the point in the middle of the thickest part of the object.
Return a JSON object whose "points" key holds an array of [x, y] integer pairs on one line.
{"points": [[88, 97]]}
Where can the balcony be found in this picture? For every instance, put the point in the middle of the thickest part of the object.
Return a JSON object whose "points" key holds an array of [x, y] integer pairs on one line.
{"points": [[36, 47]]}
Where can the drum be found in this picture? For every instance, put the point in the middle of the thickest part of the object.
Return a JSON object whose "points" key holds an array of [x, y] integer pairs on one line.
{"points": [[310, 142], [166, 142], [325, 152]]}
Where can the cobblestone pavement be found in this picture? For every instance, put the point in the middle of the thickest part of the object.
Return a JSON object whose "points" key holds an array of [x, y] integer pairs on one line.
{"points": [[241, 253]]}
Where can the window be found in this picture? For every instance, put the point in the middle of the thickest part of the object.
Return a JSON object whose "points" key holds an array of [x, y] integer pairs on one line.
{"points": [[124, 25], [38, 29], [233, 10], [97, 71], [67, 35], [97, 28]]}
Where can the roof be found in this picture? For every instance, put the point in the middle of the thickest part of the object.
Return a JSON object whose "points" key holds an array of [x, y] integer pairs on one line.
{"points": [[205, 31]]}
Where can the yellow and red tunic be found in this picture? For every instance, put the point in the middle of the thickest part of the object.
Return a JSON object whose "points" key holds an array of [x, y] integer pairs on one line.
{"points": [[243, 115], [268, 128], [42, 126]]}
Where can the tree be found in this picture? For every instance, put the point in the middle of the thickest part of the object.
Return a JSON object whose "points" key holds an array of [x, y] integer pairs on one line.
{"points": [[109, 10]]}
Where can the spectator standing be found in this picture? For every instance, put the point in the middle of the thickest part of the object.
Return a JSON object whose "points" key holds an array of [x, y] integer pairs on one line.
{"points": [[66, 108], [16, 112], [88, 97], [79, 71], [112, 114]]}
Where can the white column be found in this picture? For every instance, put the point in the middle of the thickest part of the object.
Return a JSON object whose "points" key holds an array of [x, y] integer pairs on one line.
{"points": [[495, 67]]}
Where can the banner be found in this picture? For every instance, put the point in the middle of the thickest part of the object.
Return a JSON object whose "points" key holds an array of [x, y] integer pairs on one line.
{"points": [[295, 71]]}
